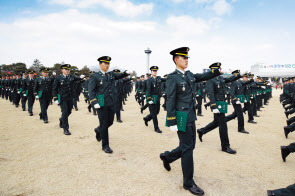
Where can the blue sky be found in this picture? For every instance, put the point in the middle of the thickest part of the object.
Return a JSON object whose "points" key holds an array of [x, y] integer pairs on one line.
{"points": [[238, 33]]}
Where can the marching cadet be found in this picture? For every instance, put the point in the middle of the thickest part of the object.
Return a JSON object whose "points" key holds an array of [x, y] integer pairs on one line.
{"points": [[216, 93], [181, 101], [28, 91], [246, 90], [199, 96], [43, 92], [13, 89], [2, 87], [153, 90], [102, 94], [119, 94], [164, 92], [137, 93], [6, 87], [17, 97], [22, 93], [77, 92], [141, 90], [87, 96], [148, 75], [63, 92], [235, 92]]}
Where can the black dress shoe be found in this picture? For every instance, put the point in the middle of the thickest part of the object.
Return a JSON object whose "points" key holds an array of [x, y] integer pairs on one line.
{"points": [[200, 135], [194, 189], [60, 123], [45, 121], [31, 113], [285, 152], [252, 121], [145, 122], [287, 131], [165, 162], [16, 106], [262, 107], [40, 116], [119, 121], [270, 193], [67, 132], [98, 138], [288, 123], [259, 110], [286, 115], [107, 150], [76, 109], [200, 115], [158, 131], [229, 150], [243, 131], [257, 116], [141, 110], [24, 109], [122, 110]]}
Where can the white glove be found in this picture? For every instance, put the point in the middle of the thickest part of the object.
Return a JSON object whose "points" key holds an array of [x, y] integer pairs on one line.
{"points": [[151, 102], [56, 102], [163, 95], [82, 76], [37, 97], [18, 92], [128, 72], [173, 128], [12, 91], [245, 101], [24, 95], [215, 111], [263, 87], [96, 106], [54, 73], [238, 102], [143, 95], [198, 95]]}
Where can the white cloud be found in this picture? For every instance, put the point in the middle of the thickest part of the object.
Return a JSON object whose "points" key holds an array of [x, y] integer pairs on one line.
{"points": [[222, 7], [187, 25], [120, 7]]}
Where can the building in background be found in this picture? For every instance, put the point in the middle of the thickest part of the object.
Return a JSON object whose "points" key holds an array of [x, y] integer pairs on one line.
{"points": [[274, 72]]}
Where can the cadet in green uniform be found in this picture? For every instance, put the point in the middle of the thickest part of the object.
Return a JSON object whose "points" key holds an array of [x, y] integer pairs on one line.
{"points": [[28, 91], [22, 92], [102, 94], [43, 92], [153, 94], [216, 93], [63, 91], [17, 90], [181, 100]]}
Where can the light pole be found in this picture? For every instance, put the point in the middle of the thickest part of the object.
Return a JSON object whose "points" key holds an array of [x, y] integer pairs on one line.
{"points": [[148, 52]]}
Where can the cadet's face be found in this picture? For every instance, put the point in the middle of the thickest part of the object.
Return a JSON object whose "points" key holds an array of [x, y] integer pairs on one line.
{"points": [[154, 73], [104, 66], [138, 79], [25, 76], [31, 75], [245, 79], [44, 74], [181, 62], [65, 71], [142, 79]]}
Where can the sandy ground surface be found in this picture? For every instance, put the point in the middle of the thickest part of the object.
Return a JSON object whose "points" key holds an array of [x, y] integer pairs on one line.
{"points": [[38, 159]]}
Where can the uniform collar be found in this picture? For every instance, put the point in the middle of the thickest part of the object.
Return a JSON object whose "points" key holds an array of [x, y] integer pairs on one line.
{"points": [[183, 72], [103, 73]]}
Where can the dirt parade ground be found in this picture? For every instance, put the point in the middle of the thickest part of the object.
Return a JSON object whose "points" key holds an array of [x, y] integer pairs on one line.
{"points": [[38, 159]]}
